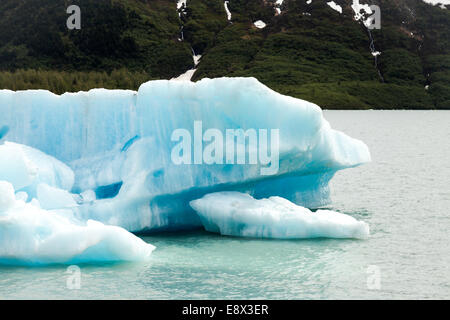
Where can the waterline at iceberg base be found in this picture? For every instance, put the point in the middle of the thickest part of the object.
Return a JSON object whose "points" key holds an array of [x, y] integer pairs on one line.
{"points": [[106, 155]]}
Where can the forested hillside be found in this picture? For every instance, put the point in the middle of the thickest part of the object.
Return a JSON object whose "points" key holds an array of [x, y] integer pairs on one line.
{"points": [[305, 49]]}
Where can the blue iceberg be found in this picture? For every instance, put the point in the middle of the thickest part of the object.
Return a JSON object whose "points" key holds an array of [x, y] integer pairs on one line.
{"points": [[139, 158]]}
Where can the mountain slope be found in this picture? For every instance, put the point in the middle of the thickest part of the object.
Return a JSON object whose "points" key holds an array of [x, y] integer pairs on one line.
{"points": [[310, 51]]}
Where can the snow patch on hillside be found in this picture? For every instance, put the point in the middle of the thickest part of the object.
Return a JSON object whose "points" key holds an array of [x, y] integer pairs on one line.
{"points": [[278, 4], [441, 3], [181, 6], [187, 76], [181, 3], [227, 10], [360, 11], [259, 24], [335, 6]]}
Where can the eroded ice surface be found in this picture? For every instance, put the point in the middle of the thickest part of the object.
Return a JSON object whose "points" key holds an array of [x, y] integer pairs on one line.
{"points": [[119, 145], [239, 214], [26, 167], [30, 235]]}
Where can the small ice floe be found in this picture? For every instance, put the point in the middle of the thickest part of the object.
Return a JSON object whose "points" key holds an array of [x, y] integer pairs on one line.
{"points": [[239, 214]]}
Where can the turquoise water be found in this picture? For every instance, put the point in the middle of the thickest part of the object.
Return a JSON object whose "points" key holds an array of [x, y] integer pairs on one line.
{"points": [[404, 195]]}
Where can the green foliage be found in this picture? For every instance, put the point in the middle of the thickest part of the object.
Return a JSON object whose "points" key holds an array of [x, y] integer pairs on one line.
{"points": [[204, 19], [401, 66], [361, 95], [308, 51], [134, 34], [62, 81]]}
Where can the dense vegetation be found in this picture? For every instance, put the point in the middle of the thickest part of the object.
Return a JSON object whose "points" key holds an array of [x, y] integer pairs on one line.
{"points": [[73, 81], [308, 51], [135, 34]]}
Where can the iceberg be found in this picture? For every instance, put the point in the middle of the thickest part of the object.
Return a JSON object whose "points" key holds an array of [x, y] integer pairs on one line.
{"points": [[239, 214], [32, 236], [139, 158]]}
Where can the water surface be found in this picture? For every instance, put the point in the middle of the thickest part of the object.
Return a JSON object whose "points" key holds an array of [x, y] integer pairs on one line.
{"points": [[403, 194]]}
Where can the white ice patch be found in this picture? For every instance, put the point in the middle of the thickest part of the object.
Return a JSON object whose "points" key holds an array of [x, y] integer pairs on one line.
{"points": [[197, 59], [335, 6], [30, 235], [278, 5], [187, 76], [260, 24], [442, 3], [239, 214], [181, 8], [181, 3], [360, 11]]}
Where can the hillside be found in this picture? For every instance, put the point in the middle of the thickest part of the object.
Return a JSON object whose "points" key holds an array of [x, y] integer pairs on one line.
{"points": [[310, 51]]}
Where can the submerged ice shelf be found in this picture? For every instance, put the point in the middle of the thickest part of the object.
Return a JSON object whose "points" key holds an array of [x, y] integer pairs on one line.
{"points": [[115, 150], [239, 214]]}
